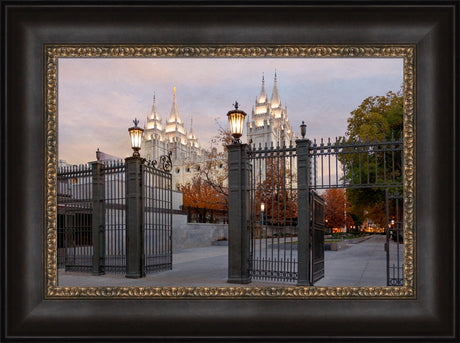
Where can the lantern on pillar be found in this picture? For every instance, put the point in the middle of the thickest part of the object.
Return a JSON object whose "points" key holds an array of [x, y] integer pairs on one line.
{"points": [[236, 121], [135, 133]]}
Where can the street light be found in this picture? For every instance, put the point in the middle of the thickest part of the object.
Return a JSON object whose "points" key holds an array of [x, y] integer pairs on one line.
{"points": [[135, 133], [262, 209], [236, 120]]}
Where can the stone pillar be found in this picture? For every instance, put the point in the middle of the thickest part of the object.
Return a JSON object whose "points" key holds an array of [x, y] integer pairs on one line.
{"points": [[303, 209], [238, 214], [134, 218], [98, 218]]}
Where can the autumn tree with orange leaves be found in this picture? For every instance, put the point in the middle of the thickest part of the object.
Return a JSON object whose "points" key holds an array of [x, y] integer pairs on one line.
{"points": [[208, 189], [200, 194], [278, 192], [335, 205]]}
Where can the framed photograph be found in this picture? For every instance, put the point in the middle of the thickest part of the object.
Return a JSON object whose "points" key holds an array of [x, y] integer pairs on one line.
{"points": [[64, 280]]}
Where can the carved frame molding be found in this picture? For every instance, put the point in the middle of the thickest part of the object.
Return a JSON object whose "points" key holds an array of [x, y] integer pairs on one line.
{"points": [[54, 51]]}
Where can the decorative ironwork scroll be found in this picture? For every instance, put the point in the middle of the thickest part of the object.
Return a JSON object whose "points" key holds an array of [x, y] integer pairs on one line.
{"points": [[164, 163]]}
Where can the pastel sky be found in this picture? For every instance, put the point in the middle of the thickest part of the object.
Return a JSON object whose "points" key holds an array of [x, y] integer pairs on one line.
{"points": [[99, 97]]}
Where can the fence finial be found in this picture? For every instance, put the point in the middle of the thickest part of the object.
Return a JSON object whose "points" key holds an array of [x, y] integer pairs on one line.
{"points": [[303, 129]]}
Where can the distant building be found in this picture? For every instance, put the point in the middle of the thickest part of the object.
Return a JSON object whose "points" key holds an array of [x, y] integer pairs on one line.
{"points": [[159, 139], [269, 123], [187, 154]]}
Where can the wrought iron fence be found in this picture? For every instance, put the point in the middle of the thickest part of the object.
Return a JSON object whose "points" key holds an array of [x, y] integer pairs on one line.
{"points": [[395, 238], [157, 219], [92, 230], [283, 216], [273, 213], [356, 164], [205, 215], [74, 222], [372, 166], [115, 216]]}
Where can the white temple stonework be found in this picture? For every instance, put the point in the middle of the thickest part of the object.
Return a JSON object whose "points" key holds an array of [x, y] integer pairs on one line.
{"points": [[187, 154], [159, 139], [269, 124]]}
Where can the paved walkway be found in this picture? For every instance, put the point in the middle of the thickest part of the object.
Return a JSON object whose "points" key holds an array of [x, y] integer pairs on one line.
{"points": [[362, 264]]}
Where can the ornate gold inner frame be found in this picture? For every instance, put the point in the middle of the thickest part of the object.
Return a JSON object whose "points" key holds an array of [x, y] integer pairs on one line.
{"points": [[54, 52]]}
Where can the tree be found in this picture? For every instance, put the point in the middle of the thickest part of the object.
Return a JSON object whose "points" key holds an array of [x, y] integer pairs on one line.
{"points": [[335, 206], [201, 195], [214, 171], [378, 118], [277, 191]]}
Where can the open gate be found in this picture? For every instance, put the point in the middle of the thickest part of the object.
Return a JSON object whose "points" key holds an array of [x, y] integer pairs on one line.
{"points": [[394, 246], [279, 175], [92, 228], [317, 237], [367, 168], [74, 218], [273, 214], [274, 229]]}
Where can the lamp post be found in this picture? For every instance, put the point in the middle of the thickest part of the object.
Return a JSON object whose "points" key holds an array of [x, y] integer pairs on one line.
{"points": [[135, 263], [236, 121], [262, 209], [238, 201]]}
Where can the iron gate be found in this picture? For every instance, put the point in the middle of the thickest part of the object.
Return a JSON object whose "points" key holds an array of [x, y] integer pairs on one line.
{"points": [[157, 219], [274, 218], [91, 219], [114, 202], [395, 238], [273, 214], [74, 218], [317, 237], [368, 168]]}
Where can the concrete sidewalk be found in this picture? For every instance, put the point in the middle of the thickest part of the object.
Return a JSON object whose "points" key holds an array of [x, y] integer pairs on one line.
{"points": [[362, 264]]}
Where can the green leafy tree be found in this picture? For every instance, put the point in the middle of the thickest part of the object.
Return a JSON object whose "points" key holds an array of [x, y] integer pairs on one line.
{"points": [[378, 118]]}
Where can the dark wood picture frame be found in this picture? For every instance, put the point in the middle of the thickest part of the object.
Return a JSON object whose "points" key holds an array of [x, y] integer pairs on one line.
{"points": [[26, 28]]}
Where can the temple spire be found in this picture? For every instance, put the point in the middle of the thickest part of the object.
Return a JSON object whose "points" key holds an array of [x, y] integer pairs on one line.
{"points": [[275, 100], [263, 94], [154, 113], [174, 116], [191, 135], [174, 125]]}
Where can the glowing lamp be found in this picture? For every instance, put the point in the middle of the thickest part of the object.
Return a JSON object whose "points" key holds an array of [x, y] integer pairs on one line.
{"points": [[236, 121], [135, 133], [262, 207]]}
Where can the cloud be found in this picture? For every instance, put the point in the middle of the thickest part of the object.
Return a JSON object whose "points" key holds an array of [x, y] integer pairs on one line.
{"points": [[99, 97]]}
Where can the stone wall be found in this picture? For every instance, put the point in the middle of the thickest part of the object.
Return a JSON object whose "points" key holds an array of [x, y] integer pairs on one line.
{"points": [[195, 235]]}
